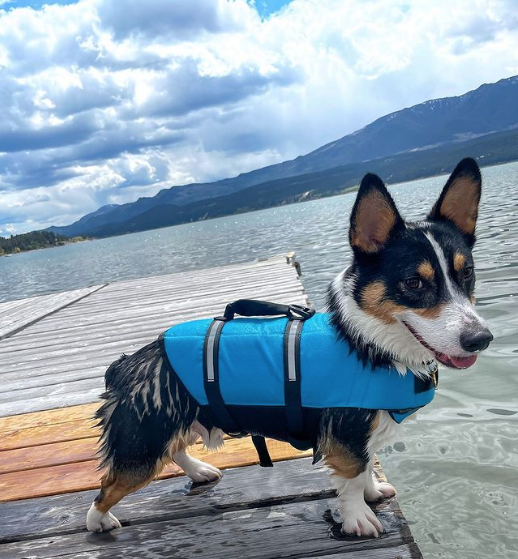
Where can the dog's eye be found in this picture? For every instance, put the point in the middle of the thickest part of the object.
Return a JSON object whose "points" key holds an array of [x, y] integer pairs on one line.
{"points": [[414, 283], [467, 272]]}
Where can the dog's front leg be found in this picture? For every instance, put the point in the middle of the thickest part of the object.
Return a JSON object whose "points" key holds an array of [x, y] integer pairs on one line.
{"points": [[351, 478]]}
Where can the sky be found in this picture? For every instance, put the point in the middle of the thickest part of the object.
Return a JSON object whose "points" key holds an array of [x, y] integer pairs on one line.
{"points": [[105, 101]]}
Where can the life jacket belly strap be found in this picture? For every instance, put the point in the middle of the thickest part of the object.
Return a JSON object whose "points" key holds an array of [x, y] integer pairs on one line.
{"points": [[211, 380], [292, 387]]}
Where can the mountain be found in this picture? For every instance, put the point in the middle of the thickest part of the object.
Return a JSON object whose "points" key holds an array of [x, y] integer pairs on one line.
{"points": [[441, 122], [490, 149]]}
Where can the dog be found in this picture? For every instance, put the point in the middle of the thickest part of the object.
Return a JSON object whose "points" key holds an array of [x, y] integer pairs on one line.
{"points": [[406, 302]]}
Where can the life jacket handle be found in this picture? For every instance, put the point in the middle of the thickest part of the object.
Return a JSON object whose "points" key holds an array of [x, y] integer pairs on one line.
{"points": [[251, 307]]}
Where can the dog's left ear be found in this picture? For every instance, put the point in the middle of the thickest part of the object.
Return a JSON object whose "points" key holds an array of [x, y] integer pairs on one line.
{"points": [[374, 217], [459, 199]]}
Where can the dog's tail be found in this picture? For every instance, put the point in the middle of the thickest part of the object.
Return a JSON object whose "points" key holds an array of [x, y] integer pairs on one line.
{"points": [[144, 408]]}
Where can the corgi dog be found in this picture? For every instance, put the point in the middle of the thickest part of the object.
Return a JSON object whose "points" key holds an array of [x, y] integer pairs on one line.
{"points": [[405, 303]]}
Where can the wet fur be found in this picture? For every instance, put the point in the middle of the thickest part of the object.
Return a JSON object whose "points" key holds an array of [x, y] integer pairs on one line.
{"points": [[148, 419]]}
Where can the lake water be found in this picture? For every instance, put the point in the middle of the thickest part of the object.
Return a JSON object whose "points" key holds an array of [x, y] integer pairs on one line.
{"points": [[457, 466]]}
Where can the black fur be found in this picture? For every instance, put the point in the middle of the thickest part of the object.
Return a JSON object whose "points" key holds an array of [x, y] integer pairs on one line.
{"points": [[135, 432]]}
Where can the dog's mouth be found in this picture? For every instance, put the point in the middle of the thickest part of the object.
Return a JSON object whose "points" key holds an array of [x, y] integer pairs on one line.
{"points": [[446, 360]]}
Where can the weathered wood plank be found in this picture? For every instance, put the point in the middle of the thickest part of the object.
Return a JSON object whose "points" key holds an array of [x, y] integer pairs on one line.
{"points": [[61, 360], [288, 506], [46, 434], [407, 551], [17, 316], [48, 402], [166, 310], [251, 486], [304, 528], [49, 417], [33, 355], [68, 474]]}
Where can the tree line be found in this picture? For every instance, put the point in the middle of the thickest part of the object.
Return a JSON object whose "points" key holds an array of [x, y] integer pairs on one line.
{"points": [[31, 241]]}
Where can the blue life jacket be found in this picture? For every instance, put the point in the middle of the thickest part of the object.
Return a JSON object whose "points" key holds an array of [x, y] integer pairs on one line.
{"points": [[297, 363]]}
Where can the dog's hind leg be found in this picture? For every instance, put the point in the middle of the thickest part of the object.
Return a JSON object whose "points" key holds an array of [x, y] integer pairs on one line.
{"points": [[198, 471], [115, 486]]}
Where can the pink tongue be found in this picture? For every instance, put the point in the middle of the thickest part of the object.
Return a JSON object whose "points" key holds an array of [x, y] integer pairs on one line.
{"points": [[463, 362]]}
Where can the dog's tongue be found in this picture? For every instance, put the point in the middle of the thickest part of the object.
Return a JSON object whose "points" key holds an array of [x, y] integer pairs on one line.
{"points": [[463, 362]]}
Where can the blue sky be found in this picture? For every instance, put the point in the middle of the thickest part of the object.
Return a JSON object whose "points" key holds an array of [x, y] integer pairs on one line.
{"points": [[106, 101]]}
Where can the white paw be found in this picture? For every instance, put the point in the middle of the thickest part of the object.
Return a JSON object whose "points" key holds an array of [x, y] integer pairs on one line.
{"points": [[96, 521], [201, 472], [360, 520], [379, 491]]}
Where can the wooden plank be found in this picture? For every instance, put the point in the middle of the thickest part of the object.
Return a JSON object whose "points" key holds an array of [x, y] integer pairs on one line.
{"points": [[69, 475], [295, 480], [47, 434], [61, 360], [168, 310], [244, 503], [161, 316], [406, 551], [15, 318], [47, 402], [50, 417], [291, 530]]}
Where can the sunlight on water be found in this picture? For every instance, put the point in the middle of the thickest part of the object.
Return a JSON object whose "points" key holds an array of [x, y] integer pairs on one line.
{"points": [[457, 467]]}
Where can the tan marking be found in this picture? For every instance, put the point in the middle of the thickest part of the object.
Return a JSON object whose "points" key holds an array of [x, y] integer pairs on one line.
{"points": [[373, 222], [116, 485], [461, 204], [343, 462], [473, 299], [458, 261], [426, 270], [372, 302]]}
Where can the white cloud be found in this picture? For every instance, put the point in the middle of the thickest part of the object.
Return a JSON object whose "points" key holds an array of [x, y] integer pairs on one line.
{"points": [[108, 100]]}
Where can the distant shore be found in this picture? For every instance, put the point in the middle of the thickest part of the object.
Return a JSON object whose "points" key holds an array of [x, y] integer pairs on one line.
{"points": [[35, 240]]}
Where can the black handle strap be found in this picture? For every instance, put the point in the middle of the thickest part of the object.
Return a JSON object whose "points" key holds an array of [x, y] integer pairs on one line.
{"points": [[251, 307]]}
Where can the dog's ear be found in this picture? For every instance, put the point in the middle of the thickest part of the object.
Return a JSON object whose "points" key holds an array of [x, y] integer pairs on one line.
{"points": [[374, 217], [459, 199]]}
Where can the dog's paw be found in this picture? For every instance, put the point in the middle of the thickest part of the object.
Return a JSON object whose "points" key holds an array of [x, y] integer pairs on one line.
{"points": [[201, 472], [378, 491], [360, 520], [98, 522]]}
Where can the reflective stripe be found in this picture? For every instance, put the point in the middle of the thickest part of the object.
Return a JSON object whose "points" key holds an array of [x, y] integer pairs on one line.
{"points": [[214, 331], [294, 327]]}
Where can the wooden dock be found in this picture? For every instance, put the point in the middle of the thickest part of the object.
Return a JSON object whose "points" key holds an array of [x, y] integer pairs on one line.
{"points": [[53, 353]]}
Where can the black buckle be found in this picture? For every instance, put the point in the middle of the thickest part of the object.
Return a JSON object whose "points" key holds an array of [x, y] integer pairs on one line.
{"points": [[298, 312]]}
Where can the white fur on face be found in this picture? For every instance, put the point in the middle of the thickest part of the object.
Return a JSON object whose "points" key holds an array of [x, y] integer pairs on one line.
{"points": [[458, 315]]}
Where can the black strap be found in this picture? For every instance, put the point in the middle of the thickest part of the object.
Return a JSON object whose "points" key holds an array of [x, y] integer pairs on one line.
{"points": [[251, 307], [262, 451], [211, 380], [292, 384]]}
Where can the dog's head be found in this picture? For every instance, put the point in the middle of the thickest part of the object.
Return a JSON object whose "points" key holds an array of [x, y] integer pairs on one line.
{"points": [[409, 294]]}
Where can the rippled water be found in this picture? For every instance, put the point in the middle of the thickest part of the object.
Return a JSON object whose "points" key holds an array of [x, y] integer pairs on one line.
{"points": [[457, 469]]}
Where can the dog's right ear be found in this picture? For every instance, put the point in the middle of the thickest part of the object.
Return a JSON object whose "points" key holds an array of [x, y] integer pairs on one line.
{"points": [[374, 217]]}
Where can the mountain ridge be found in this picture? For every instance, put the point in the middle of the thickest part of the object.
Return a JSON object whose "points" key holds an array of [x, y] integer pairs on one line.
{"points": [[483, 111]]}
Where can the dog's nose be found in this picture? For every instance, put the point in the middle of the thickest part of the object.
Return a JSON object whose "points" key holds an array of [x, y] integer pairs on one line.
{"points": [[475, 341]]}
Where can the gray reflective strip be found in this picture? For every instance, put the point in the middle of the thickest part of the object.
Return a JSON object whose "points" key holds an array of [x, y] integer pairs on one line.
{"points": [[294, 327], [215, 327]]}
